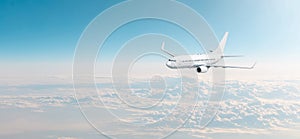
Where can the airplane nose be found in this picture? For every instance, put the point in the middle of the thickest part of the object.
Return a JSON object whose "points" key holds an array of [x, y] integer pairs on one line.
{"points": [[169, 64]]}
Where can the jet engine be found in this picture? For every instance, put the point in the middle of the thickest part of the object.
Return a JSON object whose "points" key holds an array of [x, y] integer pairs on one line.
{"points": [[202, 69]]}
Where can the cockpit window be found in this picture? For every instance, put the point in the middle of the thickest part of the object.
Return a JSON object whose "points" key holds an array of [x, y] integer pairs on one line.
{"points": [[172, 60]]}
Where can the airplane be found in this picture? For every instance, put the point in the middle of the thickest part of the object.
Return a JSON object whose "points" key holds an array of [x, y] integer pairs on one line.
{"points": [[202, 62]]}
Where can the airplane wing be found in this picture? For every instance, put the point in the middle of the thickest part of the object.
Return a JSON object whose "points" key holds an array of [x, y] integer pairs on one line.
{"points": [[235, 67]]}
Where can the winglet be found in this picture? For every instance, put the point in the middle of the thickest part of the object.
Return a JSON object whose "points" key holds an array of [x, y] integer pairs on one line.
{"points": [[163, 49], [163, 46], [253, 65]]}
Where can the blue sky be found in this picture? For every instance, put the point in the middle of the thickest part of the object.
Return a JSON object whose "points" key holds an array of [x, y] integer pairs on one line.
{"points": [[35, 31], [44, 30]]}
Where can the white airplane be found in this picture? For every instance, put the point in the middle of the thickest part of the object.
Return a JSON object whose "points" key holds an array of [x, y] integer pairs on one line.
{"points": [[202, 62]]}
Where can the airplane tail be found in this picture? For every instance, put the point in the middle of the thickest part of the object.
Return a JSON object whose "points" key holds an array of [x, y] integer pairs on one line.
{"points": [[218, 53]]}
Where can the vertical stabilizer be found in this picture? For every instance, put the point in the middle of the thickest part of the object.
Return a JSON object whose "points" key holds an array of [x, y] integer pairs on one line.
{"points": [[218, 53]]}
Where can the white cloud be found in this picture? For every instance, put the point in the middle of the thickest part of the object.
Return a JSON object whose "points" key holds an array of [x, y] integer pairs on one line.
{"points": [[248, 107]]}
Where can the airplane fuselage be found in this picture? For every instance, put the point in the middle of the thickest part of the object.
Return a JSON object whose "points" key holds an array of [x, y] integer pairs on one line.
{"points": [[190, 61]]}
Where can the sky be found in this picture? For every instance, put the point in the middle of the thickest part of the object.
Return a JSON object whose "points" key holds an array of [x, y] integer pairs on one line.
{"points": [[41, 33], [38, 39]]}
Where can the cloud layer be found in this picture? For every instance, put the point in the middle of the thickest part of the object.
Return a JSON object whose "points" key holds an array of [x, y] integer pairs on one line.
{"points": [[256, 107]]}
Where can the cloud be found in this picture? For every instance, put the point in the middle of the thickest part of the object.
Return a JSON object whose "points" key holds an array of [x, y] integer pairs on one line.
{"points": [[247, 108]]}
